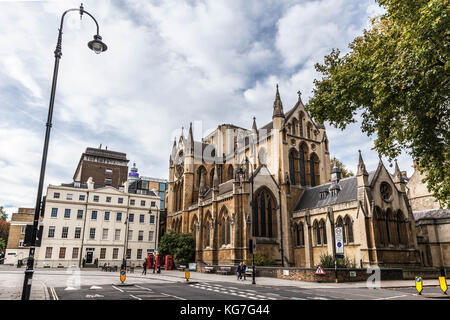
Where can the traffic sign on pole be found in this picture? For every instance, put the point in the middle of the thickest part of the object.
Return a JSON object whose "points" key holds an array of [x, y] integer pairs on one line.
{"points": [[339, 241]]}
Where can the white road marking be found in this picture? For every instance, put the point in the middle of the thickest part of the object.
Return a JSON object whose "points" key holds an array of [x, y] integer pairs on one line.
{"points": [[172, 296], [135, 297], [53, 292], [143, 288], [405, 295], [117, 288], [93, 288]]}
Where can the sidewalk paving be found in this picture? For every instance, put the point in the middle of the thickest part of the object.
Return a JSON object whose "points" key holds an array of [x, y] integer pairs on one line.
{"points": [[266, 281]]}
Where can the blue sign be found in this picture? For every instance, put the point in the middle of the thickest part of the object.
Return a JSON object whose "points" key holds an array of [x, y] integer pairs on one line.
{"points": [[339, 244], [122, 272], [418, 279]]}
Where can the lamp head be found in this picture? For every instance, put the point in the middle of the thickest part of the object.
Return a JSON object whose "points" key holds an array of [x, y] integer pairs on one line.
{"points": [[97, 45]]}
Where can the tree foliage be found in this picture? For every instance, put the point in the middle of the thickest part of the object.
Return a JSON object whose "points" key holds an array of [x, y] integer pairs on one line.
{"points": [[3, 214], [345, 173], [180, 245], [396, 76]]}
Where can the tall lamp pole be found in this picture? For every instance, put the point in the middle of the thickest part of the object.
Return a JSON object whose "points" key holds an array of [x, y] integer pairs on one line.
{"points": [[252, 244], [97, 46]]}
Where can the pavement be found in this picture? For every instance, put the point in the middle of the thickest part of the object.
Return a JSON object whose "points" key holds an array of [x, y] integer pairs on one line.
{"points": [[45, 280]]}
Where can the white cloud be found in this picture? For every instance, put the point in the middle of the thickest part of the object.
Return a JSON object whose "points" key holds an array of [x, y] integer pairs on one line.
{"points": [[168, 63]]}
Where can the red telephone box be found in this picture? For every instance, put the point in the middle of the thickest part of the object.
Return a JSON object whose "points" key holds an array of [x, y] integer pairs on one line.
{"points": [[168, 262], [150, 261], [157, 260]]}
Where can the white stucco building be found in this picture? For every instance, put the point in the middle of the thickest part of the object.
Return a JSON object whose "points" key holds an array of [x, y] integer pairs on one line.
{"points": [[95, 225]]}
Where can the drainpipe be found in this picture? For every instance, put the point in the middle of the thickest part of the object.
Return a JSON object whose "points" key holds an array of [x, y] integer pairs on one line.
{"points": [[281, 228], [84, 228]]}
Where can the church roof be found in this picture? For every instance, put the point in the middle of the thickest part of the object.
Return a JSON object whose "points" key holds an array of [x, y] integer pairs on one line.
{"points": [[311, 198], [431, 214]]}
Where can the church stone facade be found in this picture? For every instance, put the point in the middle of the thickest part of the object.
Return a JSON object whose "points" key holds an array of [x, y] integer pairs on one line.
{"points": [[274, 185]]}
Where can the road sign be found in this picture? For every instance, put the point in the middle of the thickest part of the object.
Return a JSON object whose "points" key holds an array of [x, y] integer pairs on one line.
{"points": [[419, 284], [443, 284], [320, 270], [123, 275], [339, 240]]}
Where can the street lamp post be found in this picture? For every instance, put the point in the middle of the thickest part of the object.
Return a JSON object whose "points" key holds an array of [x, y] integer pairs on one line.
{"points": [[97, 46], [252, 208]]}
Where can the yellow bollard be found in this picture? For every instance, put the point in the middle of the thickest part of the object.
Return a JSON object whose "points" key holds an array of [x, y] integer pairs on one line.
{"points": [[419, 285], [443, 284], [187, 274]]}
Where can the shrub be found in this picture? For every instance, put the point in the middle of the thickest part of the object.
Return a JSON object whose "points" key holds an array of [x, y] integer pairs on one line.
{"points": [[261, 259], [327, 261]]}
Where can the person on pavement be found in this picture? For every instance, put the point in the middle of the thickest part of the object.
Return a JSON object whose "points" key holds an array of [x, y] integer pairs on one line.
{"points": [[239, 271], [145, 267], [244, 270]]}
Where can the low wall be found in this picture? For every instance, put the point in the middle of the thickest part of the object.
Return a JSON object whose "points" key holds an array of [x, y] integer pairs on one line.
{"points": [[425, 273]]}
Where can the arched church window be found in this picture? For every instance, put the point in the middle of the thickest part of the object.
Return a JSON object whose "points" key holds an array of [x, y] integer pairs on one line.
{"points": [[291, 167], [263, 218], [316, 230], [314, 170], [323, 231], [349, 229], [302, 157]]}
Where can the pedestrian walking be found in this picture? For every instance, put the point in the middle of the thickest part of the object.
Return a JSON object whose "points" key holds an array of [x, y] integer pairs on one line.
{"points": [[239, 271], [244, 267], [242, 270], [145, 267]]}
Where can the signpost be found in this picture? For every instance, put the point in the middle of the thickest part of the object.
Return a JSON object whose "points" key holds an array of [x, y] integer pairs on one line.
{"points": [[339, 248], [339, 239], [419, 285]]}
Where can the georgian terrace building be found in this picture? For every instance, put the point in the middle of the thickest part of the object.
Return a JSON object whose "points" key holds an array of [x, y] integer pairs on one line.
{"points": [[89, 224]]}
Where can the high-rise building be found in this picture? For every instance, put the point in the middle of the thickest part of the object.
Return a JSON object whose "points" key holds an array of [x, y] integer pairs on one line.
{"points": [[106, 167], [139, 185]]}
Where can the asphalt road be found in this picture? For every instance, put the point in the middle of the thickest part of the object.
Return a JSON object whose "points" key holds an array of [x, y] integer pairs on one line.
{"points": [[226, 291]]}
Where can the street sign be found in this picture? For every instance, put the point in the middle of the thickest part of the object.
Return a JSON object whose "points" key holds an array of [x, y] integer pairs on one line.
{"points": [[339, 239], [419, 284], [320, 270], [123, 275], [443, 284]]}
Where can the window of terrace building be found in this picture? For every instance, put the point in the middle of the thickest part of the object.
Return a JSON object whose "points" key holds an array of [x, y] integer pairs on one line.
{"points": [[65, 232]]}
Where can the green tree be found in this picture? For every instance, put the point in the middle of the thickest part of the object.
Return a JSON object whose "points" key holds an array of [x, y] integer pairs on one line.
{"points": [[345, 173], [180, 245], [4, 230], [396, 76], [3, 214], [2, 245]]}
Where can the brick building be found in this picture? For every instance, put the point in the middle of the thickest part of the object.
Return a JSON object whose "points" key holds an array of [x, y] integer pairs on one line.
{"points": [[106, 167]]}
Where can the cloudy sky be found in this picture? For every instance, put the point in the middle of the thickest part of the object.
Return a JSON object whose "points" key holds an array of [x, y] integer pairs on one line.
{"points": [[167, 63]]}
